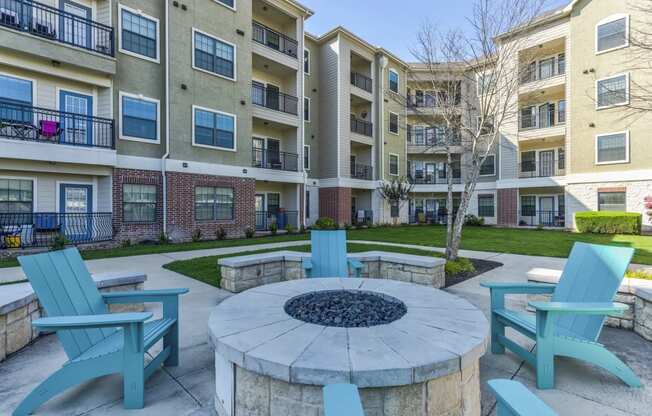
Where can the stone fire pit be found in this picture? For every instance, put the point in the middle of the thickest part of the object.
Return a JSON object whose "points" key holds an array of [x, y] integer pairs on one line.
{"points": [[412, 350]]}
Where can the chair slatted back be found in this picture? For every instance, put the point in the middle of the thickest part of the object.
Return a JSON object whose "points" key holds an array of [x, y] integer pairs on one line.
{"points": [[64, 287], [329, 254], [593, 273]]}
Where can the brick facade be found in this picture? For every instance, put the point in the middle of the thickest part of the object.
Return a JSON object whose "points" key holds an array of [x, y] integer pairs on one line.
{"points": [[136, 232], [507, 206], [335, 203]]}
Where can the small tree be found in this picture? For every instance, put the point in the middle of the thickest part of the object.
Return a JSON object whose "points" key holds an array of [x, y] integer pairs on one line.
{"points": [[396, 192]]}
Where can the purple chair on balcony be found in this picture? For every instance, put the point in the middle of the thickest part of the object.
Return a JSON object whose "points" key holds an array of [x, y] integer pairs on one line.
{"points": [[49, 129]]}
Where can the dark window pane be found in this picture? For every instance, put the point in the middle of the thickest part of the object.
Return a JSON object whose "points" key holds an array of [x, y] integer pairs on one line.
{"points": [[139, 34]]}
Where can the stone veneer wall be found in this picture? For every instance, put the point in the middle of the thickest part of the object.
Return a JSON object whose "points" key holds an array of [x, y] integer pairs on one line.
{"points": [[643, 314], [455, 394], [16, 330]]}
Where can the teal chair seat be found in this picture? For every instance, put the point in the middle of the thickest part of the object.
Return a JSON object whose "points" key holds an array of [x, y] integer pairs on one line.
{"points": [[513, 399], [328, 256]]}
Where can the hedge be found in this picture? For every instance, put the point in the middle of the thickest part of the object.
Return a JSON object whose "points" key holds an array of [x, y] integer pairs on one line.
{"points": [[608, 222]]}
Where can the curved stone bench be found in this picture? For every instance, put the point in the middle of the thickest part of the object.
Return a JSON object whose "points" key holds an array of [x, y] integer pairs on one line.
{"points": [[245, 272], [19, 306]]}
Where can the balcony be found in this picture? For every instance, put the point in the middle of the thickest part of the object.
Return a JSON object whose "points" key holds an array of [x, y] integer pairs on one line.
{"points": [[533, 218], [361, 81], [273, 159], [361, 127], [541, 169], [364, 172], [274, 100], [431, 179], [281, 218], [542, 125], [56, 25], [26, 123], [272, 39], [24, 230]]}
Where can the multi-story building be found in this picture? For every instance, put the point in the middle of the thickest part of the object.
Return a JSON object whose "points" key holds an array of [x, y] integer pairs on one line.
{"points": [[130, 119]]}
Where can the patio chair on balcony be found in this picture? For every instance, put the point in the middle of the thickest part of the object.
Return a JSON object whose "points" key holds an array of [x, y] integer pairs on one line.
{"points": [[49, 129], [571, 323], [97, 342]]}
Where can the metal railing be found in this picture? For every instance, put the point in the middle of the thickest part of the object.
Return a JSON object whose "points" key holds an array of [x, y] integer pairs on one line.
{"points": [[51, 23], [21, 230], [282, 218], [428, 217], [535, 74], [275, 40], [273, 159], [362, 127], [428, 137], [543, 121], [22, 122], [431, 180], [274, 100], [364, 172], [534, 218], [541, 169], [361, 81], [362, 217]]}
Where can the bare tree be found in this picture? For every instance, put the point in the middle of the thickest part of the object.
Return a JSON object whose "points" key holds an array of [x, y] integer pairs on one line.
{"points": [[396, 192], [477, 81], [639, 57]]}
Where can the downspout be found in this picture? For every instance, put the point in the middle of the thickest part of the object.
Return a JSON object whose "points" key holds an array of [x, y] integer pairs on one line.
{"points": [[384, 62], [167, 117]]}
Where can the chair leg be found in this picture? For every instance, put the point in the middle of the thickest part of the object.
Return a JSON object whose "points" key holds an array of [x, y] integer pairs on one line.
{"points": [[545, 360], [171, 339], [133, 382], [497, 328]]}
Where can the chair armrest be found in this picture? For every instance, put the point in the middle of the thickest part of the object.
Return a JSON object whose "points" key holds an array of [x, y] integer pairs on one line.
{"points": [[517, 399], [354, 263], [55, 323], [519, 288], [579, 308], [306, 264], [138, 296]]}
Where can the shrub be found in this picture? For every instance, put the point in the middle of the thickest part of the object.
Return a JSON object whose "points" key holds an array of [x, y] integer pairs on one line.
{"points": [[608, 222], [163, 239], [273, 228], [220, 233], [639, 274], [289, 229], [325, 223], [347, 226], [302, 229], [461, 265], [196, 235], [473, 221], [249, 232], [126, 243], [59, 242]]}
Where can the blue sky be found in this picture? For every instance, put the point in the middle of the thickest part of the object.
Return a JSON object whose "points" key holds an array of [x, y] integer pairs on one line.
{"points": [[368, 18]]}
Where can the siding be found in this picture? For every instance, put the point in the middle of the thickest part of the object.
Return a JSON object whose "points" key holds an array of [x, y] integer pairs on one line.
{"points": [[328, 122]]}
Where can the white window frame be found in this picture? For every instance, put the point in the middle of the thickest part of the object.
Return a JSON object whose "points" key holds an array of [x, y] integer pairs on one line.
{"points": [[212, 110], [235, 2], [306, 150], [613, 162], [122, 7], [309, 61], [627, 86], [235, 55], [398, 76], [309, 109], [398, 165], [493, 200], [34, 82], [34, 180], [389, 123], [610, 19], [478, 91], [494, 172], [158, 117]]}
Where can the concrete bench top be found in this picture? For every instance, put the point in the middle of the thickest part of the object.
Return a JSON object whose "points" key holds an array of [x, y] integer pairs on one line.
{"points": [[256, 259], [17, 295], [631, 286]]}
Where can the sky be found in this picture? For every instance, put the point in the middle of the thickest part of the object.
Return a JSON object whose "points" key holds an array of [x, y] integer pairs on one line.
{"points": [[391, 24]]}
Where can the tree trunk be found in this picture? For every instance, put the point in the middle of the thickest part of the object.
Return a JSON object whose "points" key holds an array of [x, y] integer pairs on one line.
{"points": [[452, 251], [449, 204]]}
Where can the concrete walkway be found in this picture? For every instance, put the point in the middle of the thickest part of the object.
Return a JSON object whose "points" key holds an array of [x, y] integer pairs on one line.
{"points": [[188, 389]]}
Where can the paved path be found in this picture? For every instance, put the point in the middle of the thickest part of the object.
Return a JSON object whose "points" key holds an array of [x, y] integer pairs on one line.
{"points": [[188, 389]]}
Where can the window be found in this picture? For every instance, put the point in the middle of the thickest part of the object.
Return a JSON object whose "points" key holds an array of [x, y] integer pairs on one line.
{"points": [[613, 91], [528, 206], [393, 123], [138, 34], [306, 157], [528, 117], [306, 109], [418, 134], [138, 203], [612, 201], [393, 165], [612, 148], [307, 204], [561, 64], [561, 112], [393, 81], [139, 117], [306, 61], [213, 55], [16, 196], [528, 161], [486, 205], [213, 129], [15, 95], [612, 33], [213, 203], [228, 3], [488, 168], [561, 155], [547, 68]]}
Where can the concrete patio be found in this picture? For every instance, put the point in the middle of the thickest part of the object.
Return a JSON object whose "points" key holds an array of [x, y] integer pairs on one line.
{"points": [[188, 389]]}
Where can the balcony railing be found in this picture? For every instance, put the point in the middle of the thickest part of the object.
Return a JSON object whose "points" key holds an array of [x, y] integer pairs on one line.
{"points": [[533, 218], [40, 124], [362, 127], [542, 169], [282, 218], [274, 100], [362, 217], [364, 172], [361, 81], [275, 40], [273, 159], [21, 230], [421, 179], [551, 69], [51, 23], [428, 217], [544, 120]]}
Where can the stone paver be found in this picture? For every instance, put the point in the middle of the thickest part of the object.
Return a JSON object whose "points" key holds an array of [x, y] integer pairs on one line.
{"points": [[189, 389]]}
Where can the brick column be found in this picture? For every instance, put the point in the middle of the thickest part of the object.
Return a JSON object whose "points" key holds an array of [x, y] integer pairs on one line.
{"points": [[507, 207], [335, 203]]}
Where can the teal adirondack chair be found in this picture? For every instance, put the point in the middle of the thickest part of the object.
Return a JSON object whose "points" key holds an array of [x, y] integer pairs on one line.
{"points": [[571, 323], [329, 258], [513, 399], [342, 400], [97, 342]]}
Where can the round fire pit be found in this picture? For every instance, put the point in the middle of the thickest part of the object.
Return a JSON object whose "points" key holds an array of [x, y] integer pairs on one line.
{"points": [[411, 350]]}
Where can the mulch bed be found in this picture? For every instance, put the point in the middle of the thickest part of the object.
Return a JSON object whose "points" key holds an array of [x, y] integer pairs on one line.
{"points": [[481, 266]]}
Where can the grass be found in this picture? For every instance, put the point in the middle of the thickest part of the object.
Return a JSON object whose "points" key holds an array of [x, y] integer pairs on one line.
{"points": [[205, 269]]}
